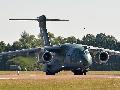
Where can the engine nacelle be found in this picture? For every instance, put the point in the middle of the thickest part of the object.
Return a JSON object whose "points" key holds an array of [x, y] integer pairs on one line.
{"points": [[101, 57], [47, 56]]}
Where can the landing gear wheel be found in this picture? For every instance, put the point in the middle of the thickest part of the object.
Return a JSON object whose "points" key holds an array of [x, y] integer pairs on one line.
{"points": [[50, 73], [84, 72], [79, 72]]}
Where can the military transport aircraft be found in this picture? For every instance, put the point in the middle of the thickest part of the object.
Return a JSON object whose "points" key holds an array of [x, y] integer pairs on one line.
{"points": [[75, 57]]}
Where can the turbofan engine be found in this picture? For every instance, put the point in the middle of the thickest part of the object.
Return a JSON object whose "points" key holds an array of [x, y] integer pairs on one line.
{"points": [[47, 56], [101, 57]]}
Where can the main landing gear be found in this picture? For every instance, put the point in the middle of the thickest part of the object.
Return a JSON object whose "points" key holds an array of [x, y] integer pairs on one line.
{"points": [[79, 72]]}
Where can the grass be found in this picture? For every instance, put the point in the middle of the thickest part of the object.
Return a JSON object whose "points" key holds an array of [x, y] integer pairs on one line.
{"points": [[62, 72], [94, 73], [103, 73], [53, 84], [62, 84], [22, 72]]}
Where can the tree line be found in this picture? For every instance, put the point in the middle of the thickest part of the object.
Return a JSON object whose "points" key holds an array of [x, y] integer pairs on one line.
{"points": [[30, 41]]}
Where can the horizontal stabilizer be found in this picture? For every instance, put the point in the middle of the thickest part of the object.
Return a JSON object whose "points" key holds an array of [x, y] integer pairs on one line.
{"points": [[41, 20], [23, 19], [55, 20]]}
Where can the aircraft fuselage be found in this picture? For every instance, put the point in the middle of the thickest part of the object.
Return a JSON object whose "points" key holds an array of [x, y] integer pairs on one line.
{"points": [[68, 57]]}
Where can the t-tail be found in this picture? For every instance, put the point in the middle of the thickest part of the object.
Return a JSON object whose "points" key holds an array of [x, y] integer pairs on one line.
{"points": [[43, 31]]}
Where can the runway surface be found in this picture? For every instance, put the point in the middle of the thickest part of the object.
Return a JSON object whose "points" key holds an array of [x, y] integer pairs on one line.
{"points": [[47, 77]]}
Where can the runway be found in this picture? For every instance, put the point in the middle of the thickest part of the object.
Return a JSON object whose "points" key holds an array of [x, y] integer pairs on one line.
{"points": [[62, 77]]}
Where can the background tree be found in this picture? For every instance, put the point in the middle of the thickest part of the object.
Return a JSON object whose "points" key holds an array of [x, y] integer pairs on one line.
{"points": [[79, 41], [111, 42], [16, 46], [100, 40], [89, 39], [2, 46], [71, 39], [8, 47], [58, 40], [29, 41], [51, 37], [118, 46]]}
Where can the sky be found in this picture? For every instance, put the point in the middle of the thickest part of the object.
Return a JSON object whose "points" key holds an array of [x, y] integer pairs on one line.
{"points": [[96, 16]]}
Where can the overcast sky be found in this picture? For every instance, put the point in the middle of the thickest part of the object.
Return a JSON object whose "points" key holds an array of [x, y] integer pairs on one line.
{"points": [[97, 16]]}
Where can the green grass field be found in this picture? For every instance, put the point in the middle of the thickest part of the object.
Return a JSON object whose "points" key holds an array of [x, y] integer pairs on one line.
{"points": [[72, 84], [62, 84]]}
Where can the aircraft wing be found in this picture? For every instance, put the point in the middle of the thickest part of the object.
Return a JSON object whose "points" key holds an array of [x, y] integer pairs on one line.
{"points": [[101, 55], [21, 52], [39, 52], [95, 50]]}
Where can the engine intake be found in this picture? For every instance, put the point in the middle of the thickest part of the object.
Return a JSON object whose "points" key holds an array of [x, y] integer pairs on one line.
{"points": [[102, 57], [47, 56]]}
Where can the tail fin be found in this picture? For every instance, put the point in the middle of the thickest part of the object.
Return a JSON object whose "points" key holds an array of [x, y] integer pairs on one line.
{"points": [[42, 24]]}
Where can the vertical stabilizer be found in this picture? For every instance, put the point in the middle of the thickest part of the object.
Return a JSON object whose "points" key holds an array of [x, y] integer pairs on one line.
{"points": [[43, 31]]}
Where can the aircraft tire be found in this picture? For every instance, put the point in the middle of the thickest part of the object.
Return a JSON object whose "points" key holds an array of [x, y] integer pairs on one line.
{"points": [[50, 73], [84, 72], [77, 72]]}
